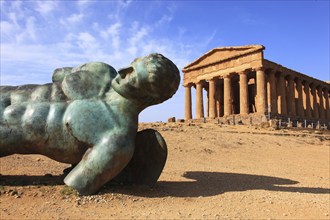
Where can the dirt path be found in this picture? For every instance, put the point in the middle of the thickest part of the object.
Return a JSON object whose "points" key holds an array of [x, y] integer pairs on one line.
{"points": [[212, 172]]}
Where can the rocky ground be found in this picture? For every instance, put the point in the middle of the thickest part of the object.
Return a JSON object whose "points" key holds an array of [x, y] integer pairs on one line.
{"points": [[212, 172]]}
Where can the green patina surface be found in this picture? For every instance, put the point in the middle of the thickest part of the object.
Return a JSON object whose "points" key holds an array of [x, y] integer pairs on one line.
{"points": [[88, 117]]}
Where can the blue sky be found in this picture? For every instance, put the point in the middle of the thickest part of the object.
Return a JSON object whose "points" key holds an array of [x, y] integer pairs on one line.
{"points": [[39, 36]]}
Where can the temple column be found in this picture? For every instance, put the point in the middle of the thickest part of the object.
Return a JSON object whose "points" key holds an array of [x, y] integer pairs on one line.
{"points": [[300, 106], [261, 90], [290, 97], [271, 92], [212, 92], [326, 101], [199, 100], [281, 91], [320, 102], [187, 102], [243, 93], [227, 95], [315, 111], [217, 98], [307, 100], [207, 101], [220, 98]]}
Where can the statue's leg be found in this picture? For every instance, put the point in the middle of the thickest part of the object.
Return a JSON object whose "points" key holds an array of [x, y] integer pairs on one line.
{"points": [[11, 141], [148, 160], [11, 136]]}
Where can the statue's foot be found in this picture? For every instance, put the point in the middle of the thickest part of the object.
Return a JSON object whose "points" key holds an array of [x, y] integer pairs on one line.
{"points": [[147, 162]]}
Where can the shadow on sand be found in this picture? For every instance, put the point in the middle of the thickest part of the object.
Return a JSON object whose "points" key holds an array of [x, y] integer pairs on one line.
{"points": [[214, 183], [198, 184], [24, 180]]}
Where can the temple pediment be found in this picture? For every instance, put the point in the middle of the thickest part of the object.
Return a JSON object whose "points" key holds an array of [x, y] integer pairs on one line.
{"points": [[220, 54]]}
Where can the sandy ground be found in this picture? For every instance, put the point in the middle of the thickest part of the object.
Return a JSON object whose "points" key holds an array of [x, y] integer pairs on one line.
{"points": [[212, 172]]}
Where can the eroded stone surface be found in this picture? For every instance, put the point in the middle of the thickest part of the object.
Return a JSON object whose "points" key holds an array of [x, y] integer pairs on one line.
{"points": [[240, 81]]}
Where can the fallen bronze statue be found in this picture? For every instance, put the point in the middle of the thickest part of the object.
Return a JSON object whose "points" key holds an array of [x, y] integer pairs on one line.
{"points": [[88, 117]]}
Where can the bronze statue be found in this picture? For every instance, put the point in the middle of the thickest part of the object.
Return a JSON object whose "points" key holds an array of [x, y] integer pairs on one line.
{"points": [[88, 117]]}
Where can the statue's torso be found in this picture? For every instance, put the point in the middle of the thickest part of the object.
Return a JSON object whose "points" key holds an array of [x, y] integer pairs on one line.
{"points": [[60, 129]]}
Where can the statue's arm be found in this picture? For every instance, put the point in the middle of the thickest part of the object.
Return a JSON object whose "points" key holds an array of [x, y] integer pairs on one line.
{"points": [[101, 163]]}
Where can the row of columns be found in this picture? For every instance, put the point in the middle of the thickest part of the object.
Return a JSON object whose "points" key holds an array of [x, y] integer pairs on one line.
{"points": [[292, 96], [276, 93]]}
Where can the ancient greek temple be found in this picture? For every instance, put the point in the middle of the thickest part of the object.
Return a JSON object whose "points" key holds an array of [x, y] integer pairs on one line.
{"points": [[239, 81]]}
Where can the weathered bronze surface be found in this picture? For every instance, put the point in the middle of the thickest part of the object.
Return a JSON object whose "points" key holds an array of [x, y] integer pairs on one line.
{"points": [[148, 160], [88, 117]]}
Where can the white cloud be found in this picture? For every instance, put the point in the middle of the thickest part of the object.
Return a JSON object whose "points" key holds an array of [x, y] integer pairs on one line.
{"points": [[18, 24], [72, 20], [139, 35], [12, 16], [14, 52], [118, 8], [75, 18], [34, 63], [16, 5], [86, 35], [132, 50], [210, 38], [87, 42], [28, 32], [164, 20], [117, 44], [80, 45], [113, 32], [153, 46], [31, 63], [45, 7], [123, 4], [7, 28], [83, 4]]}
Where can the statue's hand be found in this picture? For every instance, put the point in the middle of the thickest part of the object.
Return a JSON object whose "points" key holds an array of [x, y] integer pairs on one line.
{"points": [[101, 163]]}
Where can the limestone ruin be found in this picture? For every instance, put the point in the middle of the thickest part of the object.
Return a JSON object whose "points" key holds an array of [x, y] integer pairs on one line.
{"points": [[240, 83]]}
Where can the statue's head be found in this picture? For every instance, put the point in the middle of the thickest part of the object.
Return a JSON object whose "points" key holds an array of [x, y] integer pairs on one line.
{"points": [[149, 80]]}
